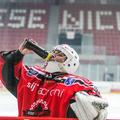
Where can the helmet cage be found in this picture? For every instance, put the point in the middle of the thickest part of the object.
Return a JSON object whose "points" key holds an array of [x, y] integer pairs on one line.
{"points": [[71, 64]]}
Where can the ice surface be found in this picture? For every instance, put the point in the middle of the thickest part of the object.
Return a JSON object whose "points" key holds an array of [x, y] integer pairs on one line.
{"points": [[8, 105], [114, 105]]}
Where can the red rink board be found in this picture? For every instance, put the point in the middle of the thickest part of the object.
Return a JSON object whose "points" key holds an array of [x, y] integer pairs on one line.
{"points": [[34, 118], [39, 118]]}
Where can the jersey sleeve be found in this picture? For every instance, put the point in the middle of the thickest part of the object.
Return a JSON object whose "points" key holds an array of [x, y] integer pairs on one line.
{"points": [[8, 61], [86, 85]]}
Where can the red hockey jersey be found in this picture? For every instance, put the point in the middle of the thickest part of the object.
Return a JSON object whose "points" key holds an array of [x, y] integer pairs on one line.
{"points": [[39, 96]]}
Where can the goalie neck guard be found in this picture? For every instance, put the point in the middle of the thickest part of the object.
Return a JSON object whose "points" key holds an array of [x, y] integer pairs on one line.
{"points": [[70, 65]]}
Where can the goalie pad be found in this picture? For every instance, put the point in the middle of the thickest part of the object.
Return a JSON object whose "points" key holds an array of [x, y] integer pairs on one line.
{"points": [[88, 107]]}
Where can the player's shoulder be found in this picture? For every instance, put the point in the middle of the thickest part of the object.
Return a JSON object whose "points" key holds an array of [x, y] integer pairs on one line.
{"points": [[37, 69], [76, 76], [80, 78]]}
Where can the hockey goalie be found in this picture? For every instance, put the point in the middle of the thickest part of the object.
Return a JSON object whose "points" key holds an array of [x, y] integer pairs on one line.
{"points": [[53, 90]]}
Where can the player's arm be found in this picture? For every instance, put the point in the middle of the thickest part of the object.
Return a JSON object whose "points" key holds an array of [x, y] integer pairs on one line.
{"points": [[87, 104], [10, 67], [30, 45], [7, 62]]}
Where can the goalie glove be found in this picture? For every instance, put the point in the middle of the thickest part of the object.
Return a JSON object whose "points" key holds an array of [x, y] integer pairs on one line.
{"points": [[89, 107]]}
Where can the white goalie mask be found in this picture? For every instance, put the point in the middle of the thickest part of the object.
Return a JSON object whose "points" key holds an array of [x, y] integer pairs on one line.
{"points": [[70, 65]]}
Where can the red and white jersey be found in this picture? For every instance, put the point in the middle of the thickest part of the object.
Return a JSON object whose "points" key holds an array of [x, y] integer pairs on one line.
{"points": [[38, 96]]}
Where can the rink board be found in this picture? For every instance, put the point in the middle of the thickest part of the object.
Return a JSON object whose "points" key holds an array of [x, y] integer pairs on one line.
{"points": [[39, 118], [34, 118]]}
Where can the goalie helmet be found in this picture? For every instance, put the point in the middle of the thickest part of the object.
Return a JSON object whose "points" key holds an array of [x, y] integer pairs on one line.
{"points": [[70, 65]]}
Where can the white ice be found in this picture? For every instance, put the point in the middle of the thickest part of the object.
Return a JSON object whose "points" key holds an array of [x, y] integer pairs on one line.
{"points": [[8, 105], [114, 105]]}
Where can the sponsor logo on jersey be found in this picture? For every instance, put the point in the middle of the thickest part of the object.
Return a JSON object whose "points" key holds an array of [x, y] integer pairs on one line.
{"points": [[38, 108], [69, 81], [32, 72]]}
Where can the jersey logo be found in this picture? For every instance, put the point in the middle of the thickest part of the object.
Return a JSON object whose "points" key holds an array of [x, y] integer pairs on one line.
{"points": [[32, 72], [69, 81]]}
